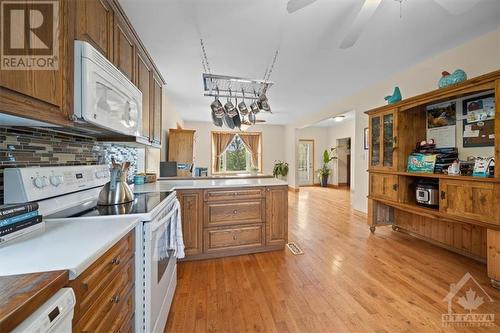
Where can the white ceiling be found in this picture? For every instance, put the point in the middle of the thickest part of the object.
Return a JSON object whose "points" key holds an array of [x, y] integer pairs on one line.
{"points": [[312, 71], [331, 122]]}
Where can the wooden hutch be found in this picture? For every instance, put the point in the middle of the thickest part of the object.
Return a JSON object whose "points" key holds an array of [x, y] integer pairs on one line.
{"points": [[467, 220]]}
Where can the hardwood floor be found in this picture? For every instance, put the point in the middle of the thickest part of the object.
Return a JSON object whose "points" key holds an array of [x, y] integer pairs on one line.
{"points": [[348, 280]]}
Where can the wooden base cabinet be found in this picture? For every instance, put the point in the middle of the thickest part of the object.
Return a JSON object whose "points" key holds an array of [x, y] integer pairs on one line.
{"points": [[277, 215], [233, 221], [493, 241], [105, 291], [192, 220]]}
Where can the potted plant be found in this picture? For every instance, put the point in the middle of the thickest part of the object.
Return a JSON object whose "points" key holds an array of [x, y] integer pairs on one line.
{"points": [[280, 169], [254, 170], [325, 171]]}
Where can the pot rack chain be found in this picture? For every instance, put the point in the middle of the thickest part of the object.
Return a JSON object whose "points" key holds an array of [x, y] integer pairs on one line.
{"points": [[232, 86]]}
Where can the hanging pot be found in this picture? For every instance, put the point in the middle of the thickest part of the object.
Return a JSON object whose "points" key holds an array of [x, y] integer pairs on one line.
{"points": [[216, 106], [216, 121], [228, 121], [242, 106], [263, 103], [251, 117], [236, 118], [229, 107]]}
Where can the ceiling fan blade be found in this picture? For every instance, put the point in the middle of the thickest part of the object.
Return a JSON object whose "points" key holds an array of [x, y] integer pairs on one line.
{"points": [[357, 26], [294, 5], [457, 7]]}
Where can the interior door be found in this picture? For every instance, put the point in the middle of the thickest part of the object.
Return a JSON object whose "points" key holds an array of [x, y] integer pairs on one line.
{"points": [[306, 162]]}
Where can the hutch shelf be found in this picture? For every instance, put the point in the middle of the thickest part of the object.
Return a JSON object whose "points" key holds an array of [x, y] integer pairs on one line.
{"points": [[467, 218]]}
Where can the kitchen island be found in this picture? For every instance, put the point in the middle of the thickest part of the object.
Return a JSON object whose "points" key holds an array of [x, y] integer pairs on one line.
{"points": [[224, 217]]}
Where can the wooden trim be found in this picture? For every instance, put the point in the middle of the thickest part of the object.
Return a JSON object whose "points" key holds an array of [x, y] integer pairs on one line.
{"points": [[293, 189], [477, 84], [436, 175]]}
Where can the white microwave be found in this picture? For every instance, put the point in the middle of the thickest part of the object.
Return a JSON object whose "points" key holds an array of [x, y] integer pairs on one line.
{"points": [[103, 96]]}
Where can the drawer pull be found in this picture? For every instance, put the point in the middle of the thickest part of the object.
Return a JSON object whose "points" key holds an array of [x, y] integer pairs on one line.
{"points": [[235, 211], [115, 261], [115, 299], [235, 237], [443, 195]]}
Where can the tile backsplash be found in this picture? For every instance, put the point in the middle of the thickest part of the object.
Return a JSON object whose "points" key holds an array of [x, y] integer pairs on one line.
{"points": [[26, 147]]}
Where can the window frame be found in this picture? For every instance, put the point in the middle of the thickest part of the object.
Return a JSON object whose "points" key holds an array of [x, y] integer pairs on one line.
{"points": [[224, 172]]}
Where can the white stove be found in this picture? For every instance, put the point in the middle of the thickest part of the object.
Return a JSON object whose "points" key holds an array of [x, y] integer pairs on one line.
{"points": [[69, 192]]}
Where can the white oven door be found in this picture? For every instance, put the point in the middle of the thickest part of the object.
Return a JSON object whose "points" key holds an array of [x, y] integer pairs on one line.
{"points": [[160, 269]]}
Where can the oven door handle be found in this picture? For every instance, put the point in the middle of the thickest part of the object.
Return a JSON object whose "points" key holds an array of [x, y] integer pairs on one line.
{"points": [[174, 210]]}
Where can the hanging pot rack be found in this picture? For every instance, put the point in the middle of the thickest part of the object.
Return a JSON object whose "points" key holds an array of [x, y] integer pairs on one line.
{"points": [[234, 87]]}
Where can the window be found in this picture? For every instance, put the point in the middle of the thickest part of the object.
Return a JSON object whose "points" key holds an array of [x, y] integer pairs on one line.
{"points": [[236, 157], [233, 153]]}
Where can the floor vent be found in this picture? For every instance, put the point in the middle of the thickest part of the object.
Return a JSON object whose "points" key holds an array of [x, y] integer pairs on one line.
{"points": [[294, 248]]}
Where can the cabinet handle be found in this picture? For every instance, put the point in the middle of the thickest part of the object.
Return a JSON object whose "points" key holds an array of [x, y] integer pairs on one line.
{"points": [[115, 261], [443, 195], [115, 299], [235, 237], [235, 211], [395, 187]]}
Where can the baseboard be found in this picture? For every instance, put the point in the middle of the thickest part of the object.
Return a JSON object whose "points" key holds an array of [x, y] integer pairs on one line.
{"points": [[293, 189]]}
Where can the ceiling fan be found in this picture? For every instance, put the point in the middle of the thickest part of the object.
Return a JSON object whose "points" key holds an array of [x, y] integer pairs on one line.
{"points": [[454, 7]]}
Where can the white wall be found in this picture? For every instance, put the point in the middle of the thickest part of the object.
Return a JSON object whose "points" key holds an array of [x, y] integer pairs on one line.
{"points": [[478, 56], [273, 145]]}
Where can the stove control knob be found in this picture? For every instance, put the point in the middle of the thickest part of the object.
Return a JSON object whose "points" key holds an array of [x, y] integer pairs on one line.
{"points": [[98, 174], [56, 180], [40, 182]]}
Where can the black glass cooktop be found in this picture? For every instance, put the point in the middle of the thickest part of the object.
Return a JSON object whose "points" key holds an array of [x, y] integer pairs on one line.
{"points": [[142, 203]]}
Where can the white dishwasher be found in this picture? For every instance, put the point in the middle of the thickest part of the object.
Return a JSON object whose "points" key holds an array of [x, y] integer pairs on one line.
{"points": [[53, 316]]}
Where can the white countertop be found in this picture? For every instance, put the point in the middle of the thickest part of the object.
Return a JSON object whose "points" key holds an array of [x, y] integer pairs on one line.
{"points": [[73, 245], [169, 185]]}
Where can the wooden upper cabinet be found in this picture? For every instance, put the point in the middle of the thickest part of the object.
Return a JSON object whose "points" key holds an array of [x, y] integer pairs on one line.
{"points": [[276, 215], [95, 25], [39, 94], [470, 199], [144, 80], [192, 220], [181, 147], [383, 140], [156, 109], [124, 48]]}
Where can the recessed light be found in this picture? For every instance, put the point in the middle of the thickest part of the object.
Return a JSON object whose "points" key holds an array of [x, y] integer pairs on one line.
{"points": [[339, 118]]}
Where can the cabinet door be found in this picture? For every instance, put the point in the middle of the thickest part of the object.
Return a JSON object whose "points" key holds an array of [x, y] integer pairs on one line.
{"points": [[95, 25], [384, 186], [375, 142], [383, 140], [192, 223], [144, 78], [124, 48], [39, 94], [388, 140], [276, 215], [155, 115], [470, 199]]}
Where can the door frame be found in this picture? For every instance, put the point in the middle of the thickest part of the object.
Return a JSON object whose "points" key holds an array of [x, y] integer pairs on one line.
{"points": [[313, 160]]}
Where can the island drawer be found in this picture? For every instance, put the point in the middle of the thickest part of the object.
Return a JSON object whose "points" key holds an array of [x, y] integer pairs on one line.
{"points": [[91, 283], [228, 194], [236, 212], [115, 301], [239, 238]]}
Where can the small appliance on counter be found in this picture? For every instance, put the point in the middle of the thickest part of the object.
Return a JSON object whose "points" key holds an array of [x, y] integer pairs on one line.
{"points": [[168, 169], [201, 172], [426, 193], [116, 191]]}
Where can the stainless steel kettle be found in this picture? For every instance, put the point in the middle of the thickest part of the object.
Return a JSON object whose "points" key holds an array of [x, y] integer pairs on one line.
{"points": [[116, 191]]}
